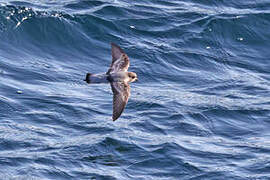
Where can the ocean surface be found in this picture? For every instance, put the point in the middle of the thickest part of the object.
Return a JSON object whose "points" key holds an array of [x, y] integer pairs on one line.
{"points": [[200, 110]]}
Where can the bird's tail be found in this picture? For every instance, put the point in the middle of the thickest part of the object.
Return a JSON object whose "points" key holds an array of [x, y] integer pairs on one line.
{"points": [[87, 78]]}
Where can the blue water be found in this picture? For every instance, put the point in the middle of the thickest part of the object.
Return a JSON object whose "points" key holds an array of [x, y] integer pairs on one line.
{"points": [[200, 110]]}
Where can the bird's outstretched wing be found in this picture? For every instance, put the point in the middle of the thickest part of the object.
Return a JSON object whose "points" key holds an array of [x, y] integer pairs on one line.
{"points": [[121, 93], [120, 60]]}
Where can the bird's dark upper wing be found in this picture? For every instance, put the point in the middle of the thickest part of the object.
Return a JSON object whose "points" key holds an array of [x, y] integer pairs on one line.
{"points": [[120, 60], [121, 93]]}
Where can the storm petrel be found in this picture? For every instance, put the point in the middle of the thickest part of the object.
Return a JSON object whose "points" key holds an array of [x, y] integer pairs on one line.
{"points": [[118, 77]]}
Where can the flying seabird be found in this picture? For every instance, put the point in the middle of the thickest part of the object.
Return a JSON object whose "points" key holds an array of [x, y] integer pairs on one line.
{"points": [[118, 77]]}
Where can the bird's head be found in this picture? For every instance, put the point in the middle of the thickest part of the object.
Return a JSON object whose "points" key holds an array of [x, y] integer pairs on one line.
{"points": [[132, 77]]}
